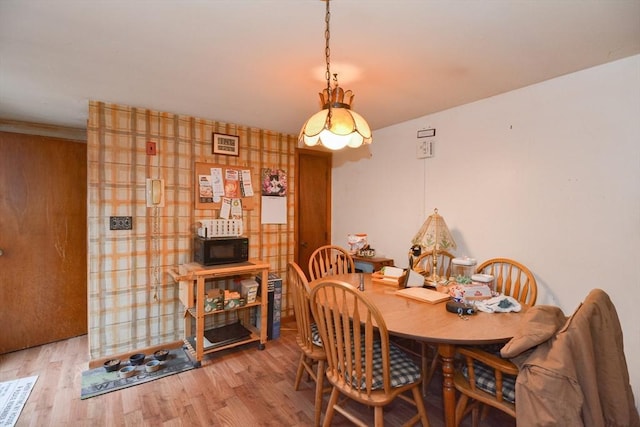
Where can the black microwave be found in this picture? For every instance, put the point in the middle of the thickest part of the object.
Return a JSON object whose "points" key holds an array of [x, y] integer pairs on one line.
{"points": [[220, 250]]}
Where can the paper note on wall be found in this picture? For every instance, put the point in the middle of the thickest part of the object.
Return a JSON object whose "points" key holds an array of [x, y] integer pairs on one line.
{"points": [[231, 183], [206, 189], [245, 183], [236, 209], [217, 184], [274, 210], [225, 208]]}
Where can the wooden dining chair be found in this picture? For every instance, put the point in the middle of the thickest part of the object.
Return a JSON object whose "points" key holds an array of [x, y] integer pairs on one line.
{"points": [[312, 357], [329, 260], [424, 263], [362, 364], [511, 278], [427, 352], [485, 378]]}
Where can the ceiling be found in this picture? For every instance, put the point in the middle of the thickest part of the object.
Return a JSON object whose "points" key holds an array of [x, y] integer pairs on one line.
{"points": [[260, 63]]}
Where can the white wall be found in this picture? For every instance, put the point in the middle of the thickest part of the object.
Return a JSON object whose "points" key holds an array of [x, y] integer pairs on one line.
{"points": [[548, 175]]}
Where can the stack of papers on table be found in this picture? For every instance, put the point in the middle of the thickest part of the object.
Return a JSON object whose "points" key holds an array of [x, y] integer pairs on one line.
{"points": [[423, 294]]}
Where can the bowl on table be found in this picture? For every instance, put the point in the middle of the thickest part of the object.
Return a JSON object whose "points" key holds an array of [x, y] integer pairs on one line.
{"points": [[112, 365], [127, 371], [161, 354], [137, 359], [152, 365]]}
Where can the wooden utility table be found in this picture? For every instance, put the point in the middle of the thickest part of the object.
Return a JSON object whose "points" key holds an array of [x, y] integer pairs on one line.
{"points": [[187, 274], [432, 323]]}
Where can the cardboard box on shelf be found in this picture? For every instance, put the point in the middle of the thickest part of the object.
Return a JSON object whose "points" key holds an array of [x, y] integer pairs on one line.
{"points": [[249, 290]]}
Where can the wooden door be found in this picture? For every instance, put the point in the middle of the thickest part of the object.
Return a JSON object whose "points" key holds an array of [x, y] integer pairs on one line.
{"points": [[313, 204], [43, 239]]}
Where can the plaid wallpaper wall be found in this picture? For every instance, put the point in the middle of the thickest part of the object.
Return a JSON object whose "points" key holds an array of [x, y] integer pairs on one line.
{"points": [[133, 302]]}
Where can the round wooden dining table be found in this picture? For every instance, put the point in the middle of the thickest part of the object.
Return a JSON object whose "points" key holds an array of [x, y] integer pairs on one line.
{"points": [[432, 323]]}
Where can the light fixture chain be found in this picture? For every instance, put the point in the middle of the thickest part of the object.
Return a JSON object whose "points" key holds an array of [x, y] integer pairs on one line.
{"points": [[327, 54], [347, 128]]}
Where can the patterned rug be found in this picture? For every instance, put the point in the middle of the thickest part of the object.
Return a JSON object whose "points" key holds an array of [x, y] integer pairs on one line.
{"points": [[98, 381]]}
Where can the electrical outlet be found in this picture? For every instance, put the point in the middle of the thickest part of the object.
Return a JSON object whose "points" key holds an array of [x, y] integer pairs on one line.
{"points": [[424, 148], [120, 223]]}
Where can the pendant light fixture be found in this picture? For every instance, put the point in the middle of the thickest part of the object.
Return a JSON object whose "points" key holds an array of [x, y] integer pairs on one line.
{"points": [[335, 126]]}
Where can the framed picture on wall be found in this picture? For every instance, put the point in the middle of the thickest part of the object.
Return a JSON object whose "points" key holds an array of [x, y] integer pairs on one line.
{"points": [[228, 145]]}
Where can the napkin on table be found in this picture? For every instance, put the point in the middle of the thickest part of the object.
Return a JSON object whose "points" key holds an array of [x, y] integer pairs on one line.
{"points": [[499, 304]]}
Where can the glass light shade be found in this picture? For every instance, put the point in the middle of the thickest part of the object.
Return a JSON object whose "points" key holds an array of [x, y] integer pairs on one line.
{"points": [[347, 128]]}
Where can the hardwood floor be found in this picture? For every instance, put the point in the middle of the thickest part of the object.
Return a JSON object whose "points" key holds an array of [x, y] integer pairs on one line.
{"points": [[245, 387]]}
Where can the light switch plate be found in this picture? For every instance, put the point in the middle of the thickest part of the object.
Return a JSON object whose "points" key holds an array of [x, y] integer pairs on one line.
{"points": [[424, 148]]}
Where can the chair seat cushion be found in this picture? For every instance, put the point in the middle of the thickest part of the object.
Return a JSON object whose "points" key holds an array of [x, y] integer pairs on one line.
{"points": [[402, 369], [315, 335], [486, 380]]}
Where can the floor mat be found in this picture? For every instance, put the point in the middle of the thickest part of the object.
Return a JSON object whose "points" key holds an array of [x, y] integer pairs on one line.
{"points": [[98, 381], [226, 334]]}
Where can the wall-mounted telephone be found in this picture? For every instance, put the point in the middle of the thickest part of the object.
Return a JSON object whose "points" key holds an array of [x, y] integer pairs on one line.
{"points": [[155, 192]]}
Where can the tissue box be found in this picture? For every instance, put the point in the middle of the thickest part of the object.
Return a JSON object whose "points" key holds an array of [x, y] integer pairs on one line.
{"points": [[231, 299], [212, 299], [249, 290]]}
